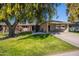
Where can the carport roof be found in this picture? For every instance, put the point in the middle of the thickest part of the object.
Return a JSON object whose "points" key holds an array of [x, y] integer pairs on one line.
{"points": [[58, 22]]}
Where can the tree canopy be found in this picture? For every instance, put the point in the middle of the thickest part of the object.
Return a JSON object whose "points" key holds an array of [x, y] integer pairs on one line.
{"points": [[26, 11], [73, 11]]}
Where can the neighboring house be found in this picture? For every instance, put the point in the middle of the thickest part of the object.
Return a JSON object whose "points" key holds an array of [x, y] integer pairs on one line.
{"points": [[74, 27], [52, 26]]}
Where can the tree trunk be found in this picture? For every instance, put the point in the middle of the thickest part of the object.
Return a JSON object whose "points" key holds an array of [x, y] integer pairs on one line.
{"points": [[37, 28], [11, 28], [11, 32]]}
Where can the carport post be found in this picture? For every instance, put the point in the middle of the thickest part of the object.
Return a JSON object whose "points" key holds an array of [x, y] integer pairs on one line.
{"points": [[47, 28], [67, 27]]}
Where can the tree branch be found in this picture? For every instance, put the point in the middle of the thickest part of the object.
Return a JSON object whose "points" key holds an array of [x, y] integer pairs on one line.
{"points": [[7, 23], [15, 23]]}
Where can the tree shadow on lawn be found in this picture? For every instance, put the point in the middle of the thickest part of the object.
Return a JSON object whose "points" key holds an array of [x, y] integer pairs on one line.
{"points": [[16, 35], [4, 38], [29, 36], [23, 33], [35, 36]]}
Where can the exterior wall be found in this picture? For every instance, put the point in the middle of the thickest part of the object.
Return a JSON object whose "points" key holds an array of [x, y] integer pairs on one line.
{"points": [[4, 28], [22, 28], [18, 29], [58, 27], [52, 27], [44, 27]]}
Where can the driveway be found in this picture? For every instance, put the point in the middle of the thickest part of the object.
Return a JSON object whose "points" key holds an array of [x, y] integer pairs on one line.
{"points": [[72, 38], [69, 37]]}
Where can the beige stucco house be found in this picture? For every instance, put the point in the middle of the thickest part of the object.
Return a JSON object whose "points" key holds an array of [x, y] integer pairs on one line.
{"points": [[53, 26]]}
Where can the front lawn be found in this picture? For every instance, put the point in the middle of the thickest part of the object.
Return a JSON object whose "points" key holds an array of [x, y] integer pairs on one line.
{"points": [[32, 45]]}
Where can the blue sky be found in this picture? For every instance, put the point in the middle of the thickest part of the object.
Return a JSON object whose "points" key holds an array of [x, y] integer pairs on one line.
{"points": [[61, 12]]}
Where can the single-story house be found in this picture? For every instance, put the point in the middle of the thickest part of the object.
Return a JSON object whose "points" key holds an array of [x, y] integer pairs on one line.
{"points": [[52, 26], [74, 27]]}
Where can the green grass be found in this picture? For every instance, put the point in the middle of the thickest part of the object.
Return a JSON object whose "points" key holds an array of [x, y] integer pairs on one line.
{"points": [[33, 45]]}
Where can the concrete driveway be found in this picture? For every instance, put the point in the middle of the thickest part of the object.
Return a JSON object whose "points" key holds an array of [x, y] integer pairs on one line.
{"points": [[72, 38]]}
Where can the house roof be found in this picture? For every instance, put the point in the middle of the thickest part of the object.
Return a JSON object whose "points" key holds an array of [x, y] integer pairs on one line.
{"points": [[52, 21], [26, 24], [2, 23], [58, 22]]}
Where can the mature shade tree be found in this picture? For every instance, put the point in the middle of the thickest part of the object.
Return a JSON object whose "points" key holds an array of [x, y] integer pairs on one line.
{"points": [[73, 11], [24, 11], [7, 12]]}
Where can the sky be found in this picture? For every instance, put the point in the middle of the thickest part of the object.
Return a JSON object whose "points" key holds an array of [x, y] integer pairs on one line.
{"points": [[61, 13]]}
